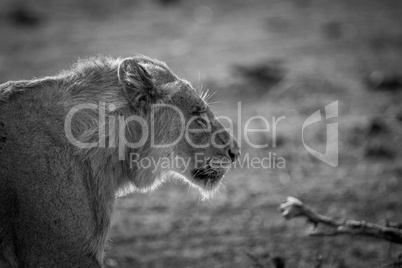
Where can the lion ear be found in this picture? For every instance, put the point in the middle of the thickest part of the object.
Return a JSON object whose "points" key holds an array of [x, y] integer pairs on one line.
{"points": [[137, 83]]}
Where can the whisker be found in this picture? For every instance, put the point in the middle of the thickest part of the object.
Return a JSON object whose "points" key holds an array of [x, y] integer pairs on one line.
{"points": [[214, 102], [212, 94], [205, 95]]}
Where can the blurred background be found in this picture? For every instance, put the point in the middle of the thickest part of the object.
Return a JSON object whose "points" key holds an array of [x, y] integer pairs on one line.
{"points": [[278, 58]]}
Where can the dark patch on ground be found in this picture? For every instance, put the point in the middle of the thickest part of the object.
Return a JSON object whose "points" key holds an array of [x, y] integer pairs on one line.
{"points": [[379, 151], [24, 17], [382, 81], [377, 127], [265, 74], [333, 30]]}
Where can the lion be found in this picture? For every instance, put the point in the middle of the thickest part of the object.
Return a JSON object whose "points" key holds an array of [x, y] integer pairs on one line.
{"points": [[70, 144]]}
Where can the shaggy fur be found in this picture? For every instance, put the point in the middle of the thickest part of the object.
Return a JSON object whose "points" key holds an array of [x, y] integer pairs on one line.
{"points": [[56, 199]]}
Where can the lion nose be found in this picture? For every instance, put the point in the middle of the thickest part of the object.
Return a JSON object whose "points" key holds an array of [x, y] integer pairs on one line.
{"points": [[233, 153]]}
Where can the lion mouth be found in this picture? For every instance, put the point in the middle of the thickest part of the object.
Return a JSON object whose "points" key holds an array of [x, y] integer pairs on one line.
{"points": [[209, 175]]}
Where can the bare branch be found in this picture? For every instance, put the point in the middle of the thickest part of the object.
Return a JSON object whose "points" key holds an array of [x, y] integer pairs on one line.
{"points": [[396, 225], [295, 208]]}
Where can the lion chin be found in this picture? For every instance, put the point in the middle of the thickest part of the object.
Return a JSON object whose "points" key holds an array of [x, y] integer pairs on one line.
{"points": [[209, 176], [207, 185], [207, 179]]}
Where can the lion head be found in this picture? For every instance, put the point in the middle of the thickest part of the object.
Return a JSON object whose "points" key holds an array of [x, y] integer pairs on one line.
{"points": [[184, 137]]}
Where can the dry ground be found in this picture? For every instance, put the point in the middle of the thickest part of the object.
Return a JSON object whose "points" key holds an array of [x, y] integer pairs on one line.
{"points": [[326, 49]]}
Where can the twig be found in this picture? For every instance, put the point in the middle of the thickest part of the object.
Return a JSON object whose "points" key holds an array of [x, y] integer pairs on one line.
{"points": [[295, 208], [396, 225]]}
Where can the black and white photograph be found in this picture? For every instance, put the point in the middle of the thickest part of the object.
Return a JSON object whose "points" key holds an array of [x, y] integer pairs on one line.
{"points": [[193, 134]]}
